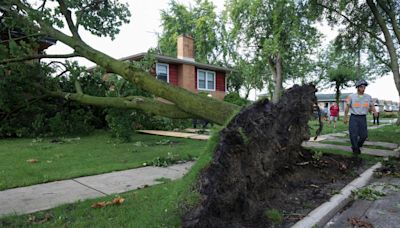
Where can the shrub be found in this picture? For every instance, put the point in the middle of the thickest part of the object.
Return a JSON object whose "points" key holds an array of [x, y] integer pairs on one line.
{"points": [[121, 124], [235, 98]]}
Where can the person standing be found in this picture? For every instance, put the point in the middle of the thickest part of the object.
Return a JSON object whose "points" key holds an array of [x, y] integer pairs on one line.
{"points": [[376, 118], [359, 104], [334, 110]]}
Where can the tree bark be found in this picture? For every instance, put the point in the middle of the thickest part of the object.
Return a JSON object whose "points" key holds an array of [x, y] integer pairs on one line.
{"points": [[216, 111], [392, 17], [132, 102], [337, 88], [394, 64], [278, 79], [275, 64]]}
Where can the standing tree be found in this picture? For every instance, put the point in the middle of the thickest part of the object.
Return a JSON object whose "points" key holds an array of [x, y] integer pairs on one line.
{"points": [[342, 68], [199, 22], [377, 22], [277, 33]]}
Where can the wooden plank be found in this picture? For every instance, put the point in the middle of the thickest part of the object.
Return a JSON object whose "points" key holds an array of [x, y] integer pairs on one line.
{"points": [[175, 134]]}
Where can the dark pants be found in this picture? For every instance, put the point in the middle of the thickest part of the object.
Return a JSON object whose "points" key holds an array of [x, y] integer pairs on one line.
{"points": [[358, 132], [376, 119]]}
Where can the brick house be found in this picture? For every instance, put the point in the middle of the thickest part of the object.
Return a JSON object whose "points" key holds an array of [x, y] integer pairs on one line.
{"points": [[185, 72], [43, 42]]}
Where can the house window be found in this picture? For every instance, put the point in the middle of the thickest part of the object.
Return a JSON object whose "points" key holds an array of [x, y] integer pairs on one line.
{"points": [[162, 72], [205, 80]]}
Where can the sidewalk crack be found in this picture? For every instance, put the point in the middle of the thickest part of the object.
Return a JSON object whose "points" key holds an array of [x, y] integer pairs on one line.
{"points": [[105, 194]]}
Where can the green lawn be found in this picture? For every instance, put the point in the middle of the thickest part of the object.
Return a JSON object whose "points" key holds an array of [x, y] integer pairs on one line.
{"points": [[368, 158], [349, 144], [89, 155], [389, 133], [157, 206], [327, 129]]}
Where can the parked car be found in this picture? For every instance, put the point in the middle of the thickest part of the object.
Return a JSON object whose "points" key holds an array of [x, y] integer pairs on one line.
{"points": [[388, 108]]}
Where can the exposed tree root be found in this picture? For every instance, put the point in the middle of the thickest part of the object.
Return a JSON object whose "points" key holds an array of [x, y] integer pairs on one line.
{"points": [[262, 139]]}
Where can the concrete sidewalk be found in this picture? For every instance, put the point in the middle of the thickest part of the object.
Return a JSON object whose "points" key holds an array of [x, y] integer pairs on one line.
{"points": [[374, 152], [382, 213], [45, 196]]}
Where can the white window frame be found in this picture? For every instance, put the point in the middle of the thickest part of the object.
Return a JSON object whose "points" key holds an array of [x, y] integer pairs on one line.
{"points": [[206, 84], [163, 64]]}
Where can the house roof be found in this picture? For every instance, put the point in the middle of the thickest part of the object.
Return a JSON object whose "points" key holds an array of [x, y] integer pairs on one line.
{"points": [[44, 42], [331, 96], [168, 59]]}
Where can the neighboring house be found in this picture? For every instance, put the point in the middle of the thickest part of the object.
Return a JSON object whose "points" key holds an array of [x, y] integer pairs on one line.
{"points": [[43, 44], [326, 100], [185, 72]]}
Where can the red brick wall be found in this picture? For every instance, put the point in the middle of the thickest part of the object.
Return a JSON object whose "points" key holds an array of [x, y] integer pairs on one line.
{"points": [[195, 78], [220, 81], [173, 74]]}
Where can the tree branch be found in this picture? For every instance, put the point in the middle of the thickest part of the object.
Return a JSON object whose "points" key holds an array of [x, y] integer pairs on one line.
{"points": [[26, 58], [21, 37], [67, 14], [54, 62], [392, 17], [381, 60], [133, 102], [16, 110], [186, 101], [78, 87], [60, 74], [394, 65], [41, 7], [351, 22]]}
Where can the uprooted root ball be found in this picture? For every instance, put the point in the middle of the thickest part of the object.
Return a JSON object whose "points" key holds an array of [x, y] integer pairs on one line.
{"points": [[258, 142]]}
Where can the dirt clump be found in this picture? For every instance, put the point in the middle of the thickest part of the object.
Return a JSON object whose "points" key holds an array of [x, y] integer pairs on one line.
{"points": [[256, 165]]}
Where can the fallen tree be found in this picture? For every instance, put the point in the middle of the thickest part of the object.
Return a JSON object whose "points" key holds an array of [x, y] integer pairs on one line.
{"points": [[45, 23], [259, 141]]}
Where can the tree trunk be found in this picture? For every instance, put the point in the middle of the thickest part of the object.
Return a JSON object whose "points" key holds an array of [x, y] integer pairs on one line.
{"points": [[278, 78], [337, 90], [394, 64], [145, 104], [216, 111], [246, 95]]}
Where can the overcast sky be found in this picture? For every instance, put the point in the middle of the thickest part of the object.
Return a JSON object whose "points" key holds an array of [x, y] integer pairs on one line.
{"points": [[140, 35]]}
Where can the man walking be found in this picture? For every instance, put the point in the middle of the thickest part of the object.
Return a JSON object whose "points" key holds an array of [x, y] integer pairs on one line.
{"points": [[376, 118], [334, 110], [358, 104]]}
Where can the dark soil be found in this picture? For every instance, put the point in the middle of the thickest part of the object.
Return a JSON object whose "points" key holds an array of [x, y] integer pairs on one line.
{"points": [[259, 165], [301, 187]]}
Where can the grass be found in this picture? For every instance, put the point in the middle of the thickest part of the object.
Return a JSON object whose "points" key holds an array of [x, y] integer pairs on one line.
{"points": [[369, 158], [75, 157], [390, 133], [349, 144], [327, 129], [157, 206]]}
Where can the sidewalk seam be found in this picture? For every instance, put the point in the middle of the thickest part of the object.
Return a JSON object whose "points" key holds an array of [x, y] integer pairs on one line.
{"points": [[105, 194]]}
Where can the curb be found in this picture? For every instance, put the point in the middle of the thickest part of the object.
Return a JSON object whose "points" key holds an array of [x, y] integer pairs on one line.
{"points": [[322, 214]]}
